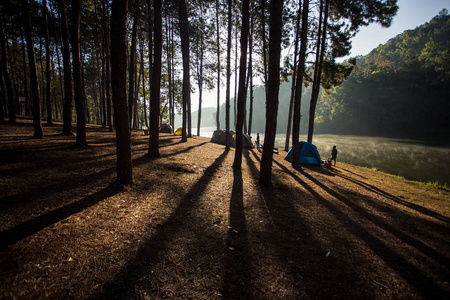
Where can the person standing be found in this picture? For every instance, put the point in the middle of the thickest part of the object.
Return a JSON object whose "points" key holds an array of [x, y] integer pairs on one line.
{"points": [[257, 140], [334, 153]]}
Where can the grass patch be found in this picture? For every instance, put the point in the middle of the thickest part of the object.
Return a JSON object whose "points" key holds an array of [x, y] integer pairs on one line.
{"points": [[437, 186]]}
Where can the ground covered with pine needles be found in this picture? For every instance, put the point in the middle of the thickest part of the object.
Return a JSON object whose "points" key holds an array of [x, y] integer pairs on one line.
{"points": [[191, 227]]}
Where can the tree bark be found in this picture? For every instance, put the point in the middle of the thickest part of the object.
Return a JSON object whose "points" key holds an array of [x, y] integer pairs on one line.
{"points": [[47, 63], [235, 72], [61, 80], [80, 104], [67, 110], [250, 74], [6, 77], [38, 133], [298, 86], [150, 43], [294, 77], [182, 10], [218, 66], [143, 83], [155, 89], [321, 43], [2, 93], [106, 47], [169, 70], [263, 25], [172, 59], [275, 27], [132, 66], [100, 54], [200, 84], [242, 93], [227, 95], [42, 90], [25, 79], [119, 94]]}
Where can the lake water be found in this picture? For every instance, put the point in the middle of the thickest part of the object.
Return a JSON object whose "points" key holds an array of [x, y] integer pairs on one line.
{"points": [[408, 158]]}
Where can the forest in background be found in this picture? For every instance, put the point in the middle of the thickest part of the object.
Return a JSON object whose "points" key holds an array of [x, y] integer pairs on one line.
{"points": [[400, 89], [116, 53], [207, 31]]}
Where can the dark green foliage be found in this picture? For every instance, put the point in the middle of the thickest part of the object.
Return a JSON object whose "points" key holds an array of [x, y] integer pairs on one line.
{"points": [[399, 89]]}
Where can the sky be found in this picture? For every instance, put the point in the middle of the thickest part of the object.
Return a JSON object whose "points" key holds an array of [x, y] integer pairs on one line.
{"points": [[411, 13]]}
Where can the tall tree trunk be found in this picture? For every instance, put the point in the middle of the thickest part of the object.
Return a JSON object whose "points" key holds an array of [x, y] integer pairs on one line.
{"points": [[100, 54], [2, 93], [172, 57], [218, 66], [25, 79], [227, 97], [298, 87], [33, 73], [132, 66], [47, 63], [264, 43], [61, 81], [41, 62], [5, 70], [186, 72], [321, 43], [80, 103], [119, 93], [250, 73], [242, 94], [169, 70], [273, 86], [235, 72], [200, 84], [67, 110], [136, 95], [294, 77], [155, 88], [97, 88], [150, 44], [143, 83], [83, 82], [106, 47]]}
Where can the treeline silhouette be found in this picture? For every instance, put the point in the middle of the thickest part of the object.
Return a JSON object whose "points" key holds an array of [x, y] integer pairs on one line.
{"points": [[399, 89]]}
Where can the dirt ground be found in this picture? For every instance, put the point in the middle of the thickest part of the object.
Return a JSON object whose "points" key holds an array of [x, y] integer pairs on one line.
{"points": [[191, 227]]}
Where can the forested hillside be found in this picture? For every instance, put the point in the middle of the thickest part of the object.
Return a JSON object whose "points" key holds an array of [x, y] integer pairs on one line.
{"points": [[401, 88]]}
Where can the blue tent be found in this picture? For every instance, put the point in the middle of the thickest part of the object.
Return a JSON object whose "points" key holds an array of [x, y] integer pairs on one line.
{"points": [[308, 154]]}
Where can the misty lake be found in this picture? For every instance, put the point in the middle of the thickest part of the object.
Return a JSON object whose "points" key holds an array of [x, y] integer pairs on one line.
{"points": [[411, 159]]}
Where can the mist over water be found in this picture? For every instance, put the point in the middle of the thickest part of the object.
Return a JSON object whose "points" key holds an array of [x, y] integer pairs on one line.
{"points": [[407, 158]]}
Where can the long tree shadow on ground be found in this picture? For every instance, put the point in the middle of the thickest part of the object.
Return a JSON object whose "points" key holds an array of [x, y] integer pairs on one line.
{"points": [[412, 274], [404, 235], [418, 208], [237, 278], [301, 255], [27, 228], [150, 252]]}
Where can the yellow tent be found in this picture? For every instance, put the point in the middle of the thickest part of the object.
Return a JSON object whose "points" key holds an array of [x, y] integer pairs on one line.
{"points": [[178, 131]]}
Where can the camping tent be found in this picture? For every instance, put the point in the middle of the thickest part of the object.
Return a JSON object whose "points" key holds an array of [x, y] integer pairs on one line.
{"points": [[219, 136], [165, 128], [246, 141], [179, 131], [308, 154]]}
